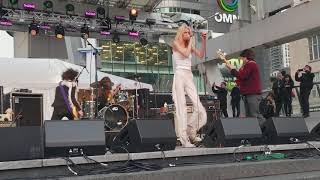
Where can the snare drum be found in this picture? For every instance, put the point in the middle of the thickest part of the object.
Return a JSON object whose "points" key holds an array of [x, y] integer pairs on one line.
{"points": [[115, 117]]}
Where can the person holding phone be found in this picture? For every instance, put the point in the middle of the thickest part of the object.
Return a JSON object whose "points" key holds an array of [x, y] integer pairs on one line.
{"points": [[305, 77]]}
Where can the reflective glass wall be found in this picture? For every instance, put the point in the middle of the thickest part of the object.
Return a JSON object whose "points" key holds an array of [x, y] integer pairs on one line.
{"points": [[152, 63]]}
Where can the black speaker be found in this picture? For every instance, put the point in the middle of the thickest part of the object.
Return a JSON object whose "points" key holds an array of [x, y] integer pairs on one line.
{"points": [[21, 143], [146, 136], [230, 132], [69, 138], [282, 130], [27, 109], [315, 131]]}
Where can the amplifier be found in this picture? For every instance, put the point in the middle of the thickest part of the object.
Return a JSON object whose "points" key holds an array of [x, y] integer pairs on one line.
{"points": [[172, 108], [27, 108]]}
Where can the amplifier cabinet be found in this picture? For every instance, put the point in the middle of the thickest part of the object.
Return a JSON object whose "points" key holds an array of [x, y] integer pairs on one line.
{"points": [[27, 108]]}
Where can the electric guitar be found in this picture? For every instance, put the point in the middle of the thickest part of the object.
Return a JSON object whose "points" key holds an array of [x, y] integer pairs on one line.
{"points": [[75, 112]]}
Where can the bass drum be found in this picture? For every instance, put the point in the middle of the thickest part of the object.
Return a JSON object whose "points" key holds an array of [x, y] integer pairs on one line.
{"points": [[115, 117]]}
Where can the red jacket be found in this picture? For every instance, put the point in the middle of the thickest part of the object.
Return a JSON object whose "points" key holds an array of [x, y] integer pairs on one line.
{"points": [[249, 78]]}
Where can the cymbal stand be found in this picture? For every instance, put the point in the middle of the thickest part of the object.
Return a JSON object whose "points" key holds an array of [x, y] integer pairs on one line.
{"points": [[137, 103]]}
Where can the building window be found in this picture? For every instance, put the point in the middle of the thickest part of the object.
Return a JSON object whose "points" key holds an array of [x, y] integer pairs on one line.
{"points": [[193, 11], [314, 47]]}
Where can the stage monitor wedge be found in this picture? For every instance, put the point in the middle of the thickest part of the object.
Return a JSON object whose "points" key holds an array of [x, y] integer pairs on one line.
{"points": [[146, 136], [284, 130], [62, 137], [233, 132]]}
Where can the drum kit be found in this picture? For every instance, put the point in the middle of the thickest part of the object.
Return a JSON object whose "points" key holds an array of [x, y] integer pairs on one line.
{"points": [[115, 114]]}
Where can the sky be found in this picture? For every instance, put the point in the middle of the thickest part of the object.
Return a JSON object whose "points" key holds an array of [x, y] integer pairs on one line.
{"points": [[6, 45]]}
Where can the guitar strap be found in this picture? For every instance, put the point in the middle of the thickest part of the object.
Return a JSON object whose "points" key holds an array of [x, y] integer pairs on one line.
{"points": [[65, 98]]}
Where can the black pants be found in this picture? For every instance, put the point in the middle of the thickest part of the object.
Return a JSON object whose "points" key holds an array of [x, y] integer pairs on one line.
{"points": [[58, 114], [224, 111], [235, 108], [279, 104], [304, 100]]}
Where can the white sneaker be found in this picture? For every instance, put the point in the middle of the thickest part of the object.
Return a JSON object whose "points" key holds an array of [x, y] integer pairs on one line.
{"points": [[196, 139], [188, 145]]}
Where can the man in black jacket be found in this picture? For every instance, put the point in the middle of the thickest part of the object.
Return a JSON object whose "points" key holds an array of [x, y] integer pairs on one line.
{"points": [[305, 77], [222, 96]]}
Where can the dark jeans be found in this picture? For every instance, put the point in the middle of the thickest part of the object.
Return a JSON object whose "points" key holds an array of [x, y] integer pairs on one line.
{"points": [[235, 108], [288, 106], [58, 114], [279, 104], [304, 100], [224, 112]]}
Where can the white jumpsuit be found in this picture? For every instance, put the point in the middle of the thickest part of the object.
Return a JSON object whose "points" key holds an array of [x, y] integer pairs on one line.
{"points": [[186, 129]]}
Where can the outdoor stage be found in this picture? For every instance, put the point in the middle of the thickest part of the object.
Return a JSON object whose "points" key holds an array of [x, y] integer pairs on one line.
{"points": [[182, 163]]}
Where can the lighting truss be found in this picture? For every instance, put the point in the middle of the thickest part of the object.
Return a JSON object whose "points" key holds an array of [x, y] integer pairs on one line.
{"points": [[23, 17]]}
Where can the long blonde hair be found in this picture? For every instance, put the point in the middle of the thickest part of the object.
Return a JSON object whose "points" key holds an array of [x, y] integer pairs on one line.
{"points": [[179, 34]]}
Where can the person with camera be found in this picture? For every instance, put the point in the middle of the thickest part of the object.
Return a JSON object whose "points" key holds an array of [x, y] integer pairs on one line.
{"points": [[305, 77]]}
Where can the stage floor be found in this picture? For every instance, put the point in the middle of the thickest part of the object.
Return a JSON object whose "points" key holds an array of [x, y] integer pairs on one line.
{"points": [[178, 153]]}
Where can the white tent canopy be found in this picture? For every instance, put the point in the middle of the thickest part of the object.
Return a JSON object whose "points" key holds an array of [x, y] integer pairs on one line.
{"points": [[46, 73], [43, 75]]}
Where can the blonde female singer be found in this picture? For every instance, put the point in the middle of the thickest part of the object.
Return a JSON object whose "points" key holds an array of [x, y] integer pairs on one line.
{"points": [[183, 84]]}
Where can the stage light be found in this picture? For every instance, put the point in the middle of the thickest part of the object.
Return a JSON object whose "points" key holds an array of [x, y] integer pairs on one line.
{"points": [[85, 32], [2, 12], [59, 31], [29, 6], [45, 26], [133, 33], [150, 22], [48, 4], [5, 22], [90, 14], [34, 28], [101, 12], [106, 24], [13, 2], [116, 38], [105, 33], [69, 8], [133, 14], [119, 19], [143, 41]]}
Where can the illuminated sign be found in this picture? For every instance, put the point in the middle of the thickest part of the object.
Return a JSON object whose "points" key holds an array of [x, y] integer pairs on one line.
{"points": [[228, 5]]}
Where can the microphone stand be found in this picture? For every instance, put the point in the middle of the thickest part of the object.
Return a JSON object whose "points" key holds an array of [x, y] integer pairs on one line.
{"points": [[96, 54], [77, 78]]}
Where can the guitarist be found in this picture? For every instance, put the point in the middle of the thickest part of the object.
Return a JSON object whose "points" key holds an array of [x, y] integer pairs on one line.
{"points": [[65, 103], [249, 79]]}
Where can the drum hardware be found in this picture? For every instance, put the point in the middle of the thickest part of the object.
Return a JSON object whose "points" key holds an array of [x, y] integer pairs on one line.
{"points": [[115, 117]]}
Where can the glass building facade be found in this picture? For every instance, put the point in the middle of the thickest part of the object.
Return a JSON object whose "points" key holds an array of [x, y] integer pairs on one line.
{"points": [[152, 63]]}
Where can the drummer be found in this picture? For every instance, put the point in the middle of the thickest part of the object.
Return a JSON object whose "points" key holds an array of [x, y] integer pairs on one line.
{"points": [[106, 92]]}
